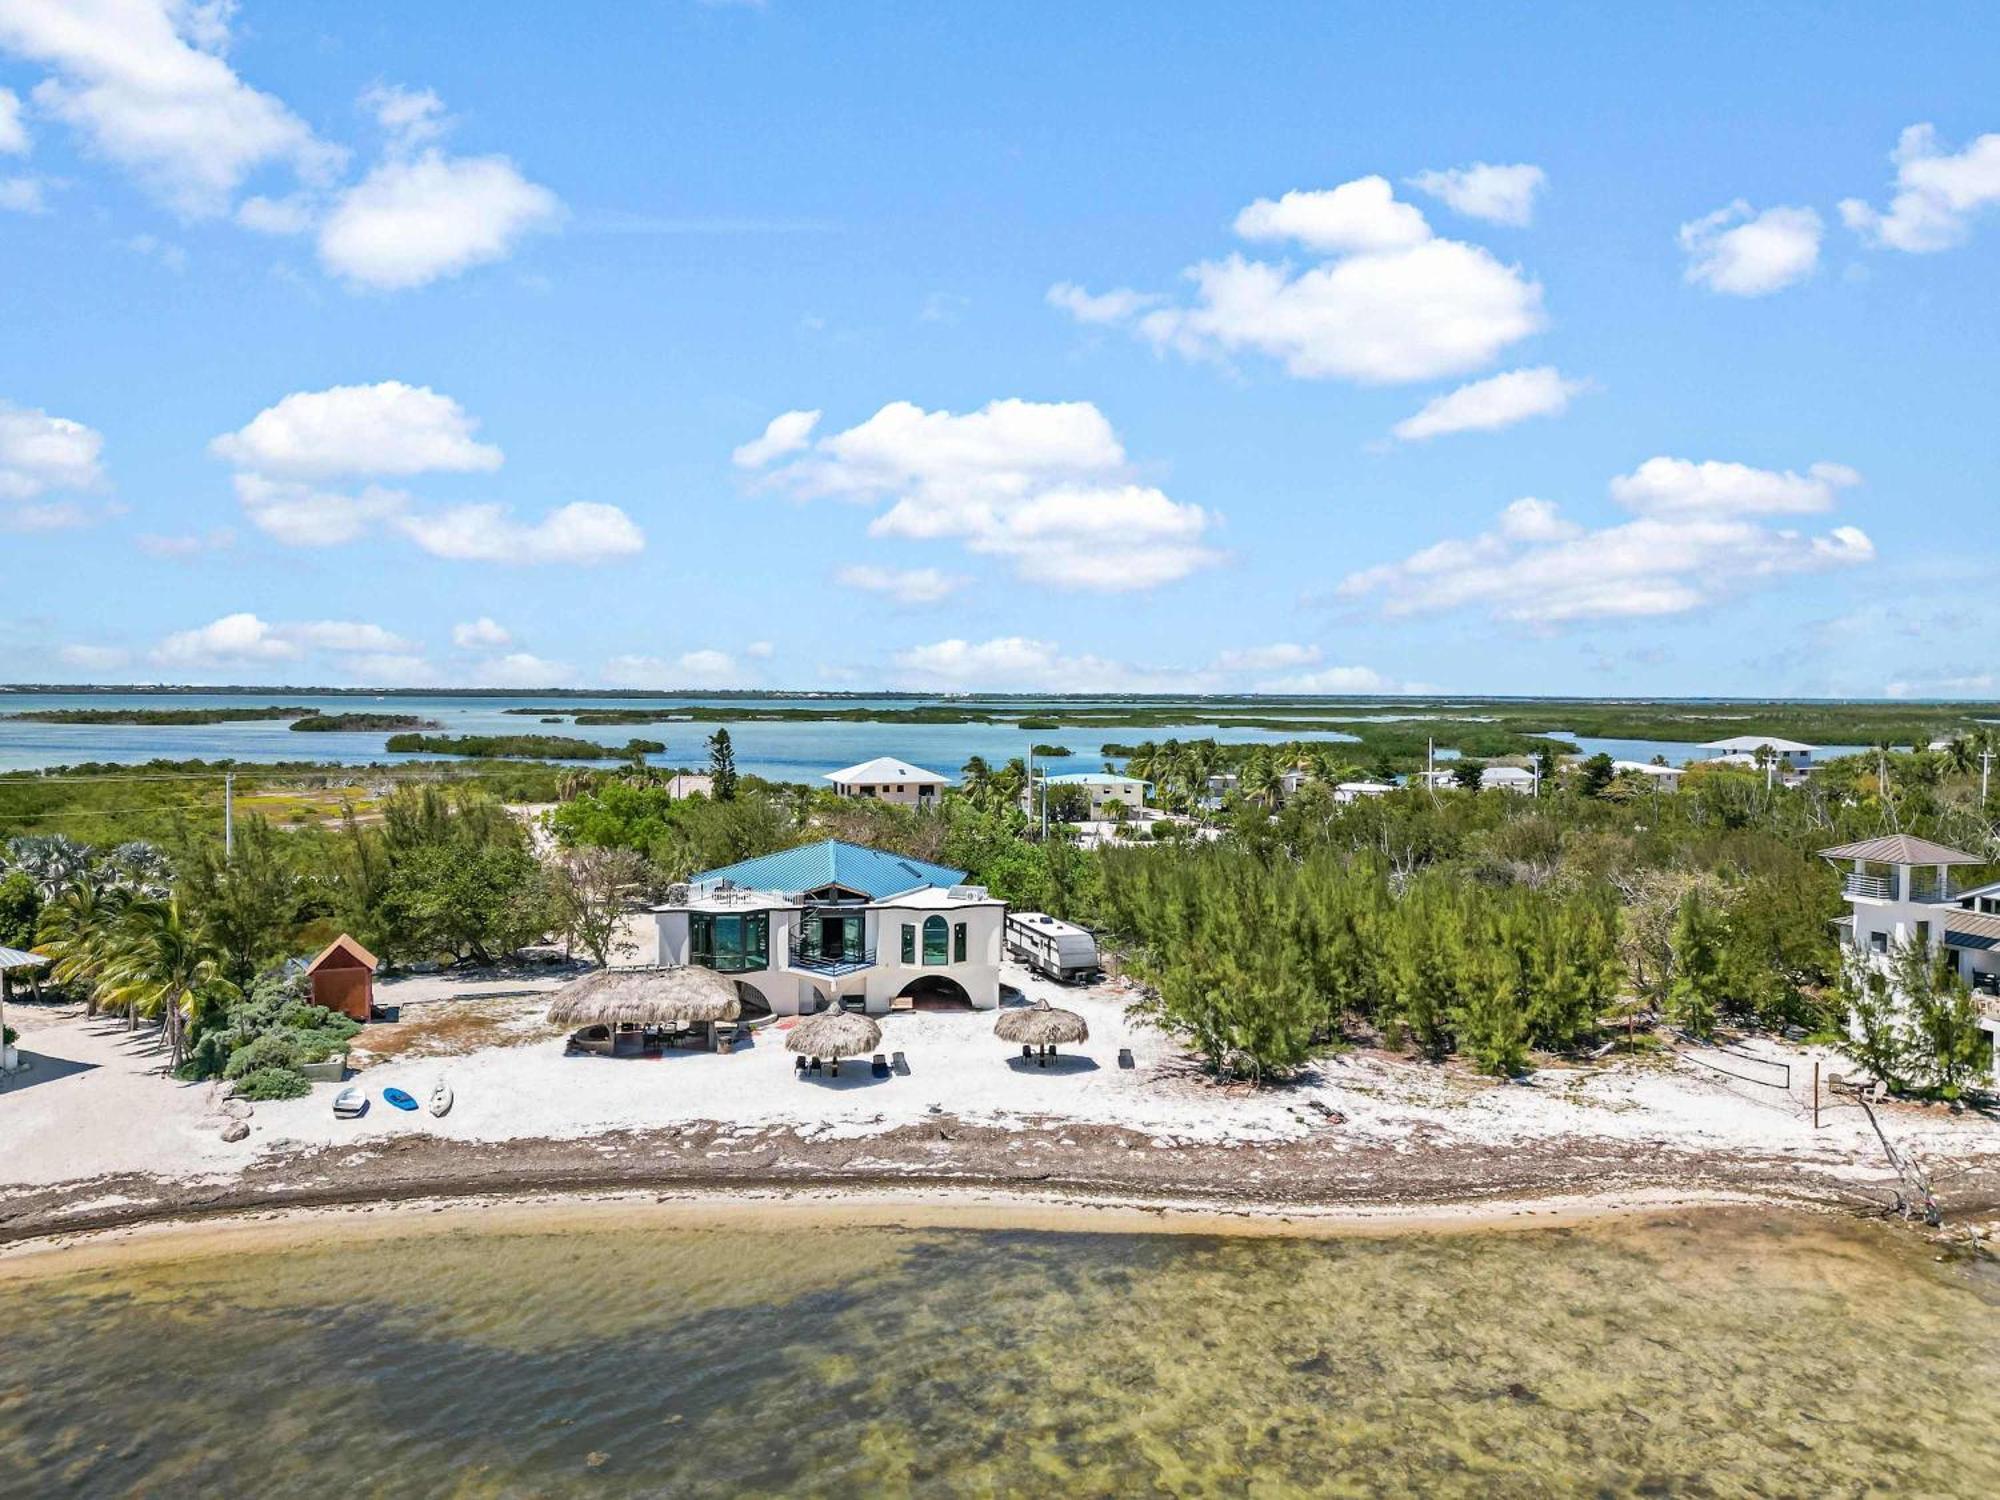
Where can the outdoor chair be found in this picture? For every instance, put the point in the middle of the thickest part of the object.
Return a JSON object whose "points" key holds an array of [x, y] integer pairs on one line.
{"points": [[879, 1066], [1125, 1058], [902, 1069], [799, 1066], [813, 1067]]}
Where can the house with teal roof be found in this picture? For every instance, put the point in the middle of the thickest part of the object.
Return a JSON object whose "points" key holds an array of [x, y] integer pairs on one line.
{"points": [[837, 924]]}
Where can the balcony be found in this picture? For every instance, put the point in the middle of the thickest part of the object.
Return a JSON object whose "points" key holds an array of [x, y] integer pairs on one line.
{"points": [[833, 965], [1869, 887]]}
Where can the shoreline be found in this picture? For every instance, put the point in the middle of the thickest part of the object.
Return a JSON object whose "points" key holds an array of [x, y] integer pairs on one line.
{"points": [[278, 1226]]}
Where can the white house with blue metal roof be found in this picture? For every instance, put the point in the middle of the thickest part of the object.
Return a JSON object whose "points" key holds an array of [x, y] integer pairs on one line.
{"points": [[837, 924]]}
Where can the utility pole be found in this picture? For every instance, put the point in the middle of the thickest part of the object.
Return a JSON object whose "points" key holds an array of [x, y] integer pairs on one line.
{"points": [[1985, 773], [228, 816]]}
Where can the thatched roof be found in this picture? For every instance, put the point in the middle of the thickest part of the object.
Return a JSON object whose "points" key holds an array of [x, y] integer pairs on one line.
{"points": [[645, 997], [1041, 1026], [834, 1033]]}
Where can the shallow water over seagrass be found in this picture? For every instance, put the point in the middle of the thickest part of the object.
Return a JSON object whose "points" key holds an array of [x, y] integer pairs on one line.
{"points": [[1726, 1352]]}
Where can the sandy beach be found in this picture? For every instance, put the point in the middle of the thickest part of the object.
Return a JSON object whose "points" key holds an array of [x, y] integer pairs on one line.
{"points": [[98, 1139]]}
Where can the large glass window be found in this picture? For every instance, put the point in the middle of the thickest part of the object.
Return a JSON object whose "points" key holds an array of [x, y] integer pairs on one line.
{"points": [[958, 942], [729, 943], [909, 943], [935, 931]]}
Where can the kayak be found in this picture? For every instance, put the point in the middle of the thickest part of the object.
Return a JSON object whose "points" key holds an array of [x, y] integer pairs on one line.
{"points": [[440, 1098], [350, 1103], [398, 1098]]}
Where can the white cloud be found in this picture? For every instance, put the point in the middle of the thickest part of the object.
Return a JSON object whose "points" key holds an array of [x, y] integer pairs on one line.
{"points": [[22, 195], [1499, 195], [387, 428], [1360, 215], [291, 214], [1042, 484], [95, 658], [760, 650], [1678, 486], [1393, 304], [144, 83], [1272, 658], [245, 639], [304, 515], [1026, 664], [482, 632], [1696, 539], [1937, 193], [580, 532], [410, 222], [784, 434], [287, 452], [905, 585], [186, 545], [704, 668], [233, 638], [13, 133], [1748, 254], [523, 670], [152, 247], [39, 453], [1105, 307], [1490, 404], [1336, 680], [408, 116]]}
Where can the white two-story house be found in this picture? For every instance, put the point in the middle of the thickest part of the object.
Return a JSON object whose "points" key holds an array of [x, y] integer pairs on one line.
{"points": [[1901, 890], [1101, 787], [832, 923], [885, 779]]}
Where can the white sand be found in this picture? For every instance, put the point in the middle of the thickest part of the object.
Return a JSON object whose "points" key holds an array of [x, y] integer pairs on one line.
{"points": [[116, 1114]]}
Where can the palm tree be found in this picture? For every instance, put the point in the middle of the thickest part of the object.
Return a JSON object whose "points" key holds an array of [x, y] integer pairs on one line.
{"points": [[975, 780], [1959, 755], [79, 931], [164, 968], [51, 860]]}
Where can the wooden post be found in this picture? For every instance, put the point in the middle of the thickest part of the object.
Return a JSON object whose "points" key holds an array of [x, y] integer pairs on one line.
{"points": [[1815, 1093]]}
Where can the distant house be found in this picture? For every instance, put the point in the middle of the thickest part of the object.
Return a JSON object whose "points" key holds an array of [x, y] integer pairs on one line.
{"points": [[835, 923], [1101, 787], [1790, 753], [886, 780], [1665, 778], [1902, 890], [1354, 791], [342, 978], [1492, 778]]}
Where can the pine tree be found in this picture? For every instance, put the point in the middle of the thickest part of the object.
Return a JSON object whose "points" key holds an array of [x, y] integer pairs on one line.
{"points": [[722, 766]]}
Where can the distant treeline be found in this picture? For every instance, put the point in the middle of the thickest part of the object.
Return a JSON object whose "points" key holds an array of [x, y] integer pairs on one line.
{"points": [[363, 723], [519, 747], [157, 717]]}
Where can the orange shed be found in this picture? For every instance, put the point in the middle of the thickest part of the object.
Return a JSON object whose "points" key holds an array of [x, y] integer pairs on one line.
{"points": [[343, 978]]}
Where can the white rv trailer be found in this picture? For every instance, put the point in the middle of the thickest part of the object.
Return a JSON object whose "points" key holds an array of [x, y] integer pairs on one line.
{"points": [[1059, 950]]}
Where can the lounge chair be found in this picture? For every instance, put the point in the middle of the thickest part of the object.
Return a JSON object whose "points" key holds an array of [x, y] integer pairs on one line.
{"points": [[898, 1066], [813, 1067], [879, 1066], [1125, 1058], [799, 1066], [903, 1002]]}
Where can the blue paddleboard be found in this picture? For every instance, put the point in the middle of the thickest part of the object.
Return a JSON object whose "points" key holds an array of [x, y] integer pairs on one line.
{"points": [[398, 1098]]}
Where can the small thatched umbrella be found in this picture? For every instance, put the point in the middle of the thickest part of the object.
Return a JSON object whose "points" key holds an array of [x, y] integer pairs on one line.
{"points": [[1043, 1028], [10, 960], [646, 997], [834, 1034]]}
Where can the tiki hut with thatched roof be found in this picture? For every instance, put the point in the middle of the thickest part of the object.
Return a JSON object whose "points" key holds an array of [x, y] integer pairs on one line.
{"points": [[1041, 1028], [631, 1002], [833, 1034]]}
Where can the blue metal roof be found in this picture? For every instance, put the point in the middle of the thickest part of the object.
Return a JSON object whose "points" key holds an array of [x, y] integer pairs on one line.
{"points": [[1979, 940], [873, 872]]}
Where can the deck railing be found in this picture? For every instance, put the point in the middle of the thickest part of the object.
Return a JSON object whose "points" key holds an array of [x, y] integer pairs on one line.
{"points": [[849, 961], [1870, 887]]}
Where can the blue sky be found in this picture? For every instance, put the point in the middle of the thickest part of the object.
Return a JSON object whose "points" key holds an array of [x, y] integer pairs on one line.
{"points": [[371, 344]]}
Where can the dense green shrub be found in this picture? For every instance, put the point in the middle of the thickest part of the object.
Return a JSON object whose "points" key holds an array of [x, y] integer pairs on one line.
{"points": [[272, 1083]]}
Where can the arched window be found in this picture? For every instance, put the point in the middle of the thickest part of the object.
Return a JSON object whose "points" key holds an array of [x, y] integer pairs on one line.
{"points": [[937, 942]]}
